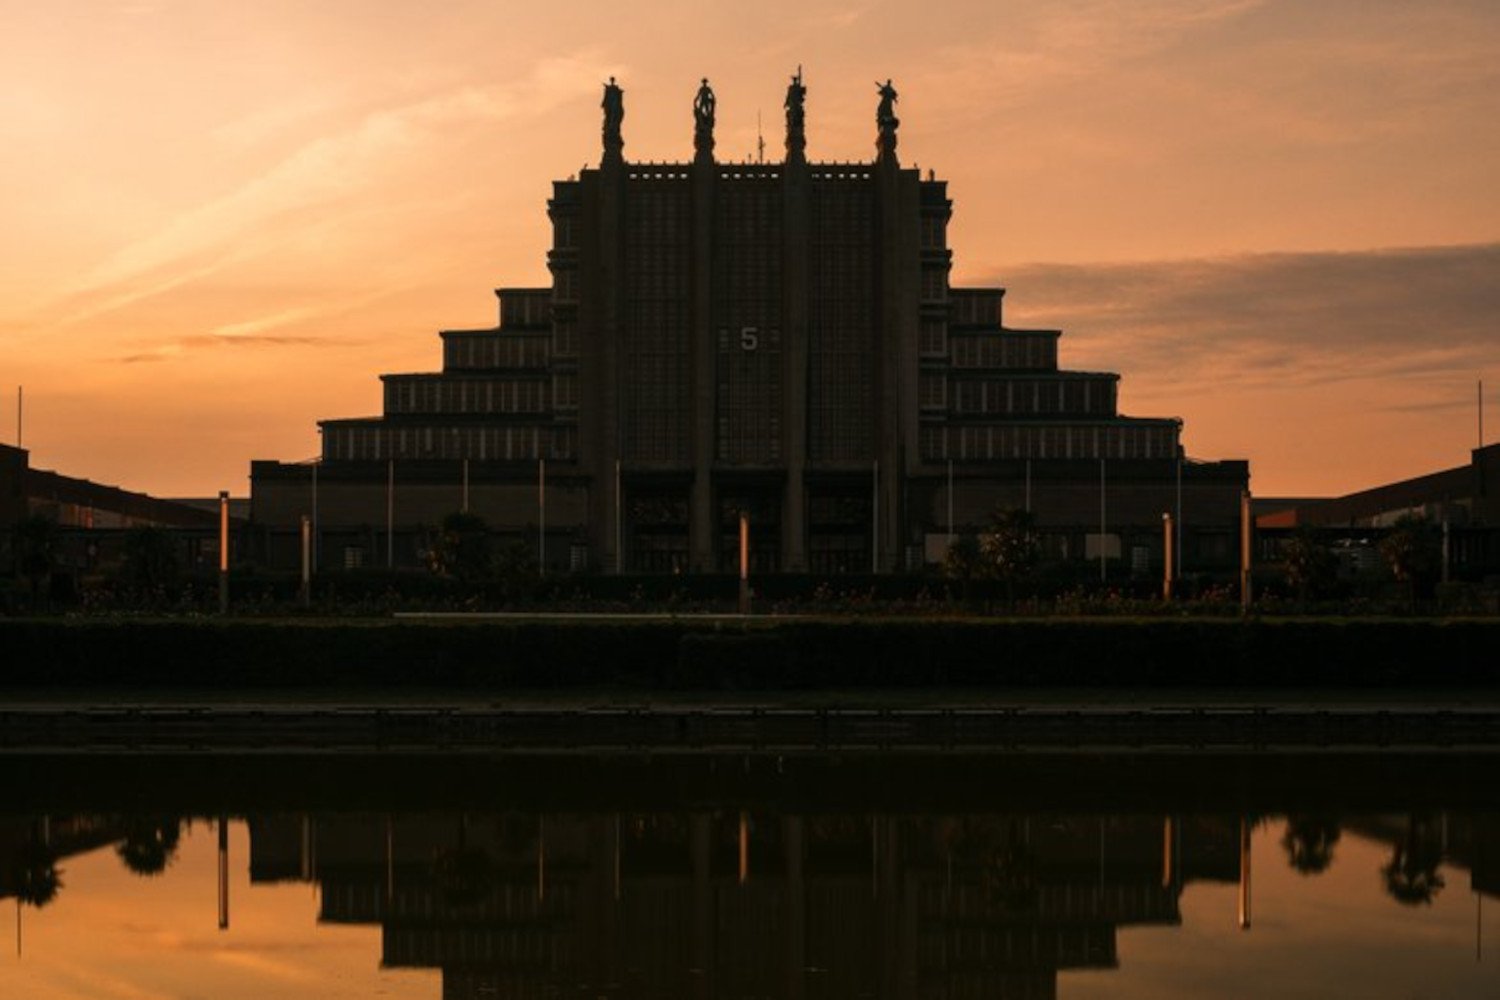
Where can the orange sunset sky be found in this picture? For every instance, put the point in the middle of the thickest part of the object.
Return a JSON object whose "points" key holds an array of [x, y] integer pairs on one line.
{"points": [[1279, 219]]}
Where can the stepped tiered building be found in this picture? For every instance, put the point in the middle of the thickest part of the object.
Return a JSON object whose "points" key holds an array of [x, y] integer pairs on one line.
{"points": [[776, 339]]}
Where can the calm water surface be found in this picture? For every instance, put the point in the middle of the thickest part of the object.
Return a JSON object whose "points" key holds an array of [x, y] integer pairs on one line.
{"points": [[752, 877]]}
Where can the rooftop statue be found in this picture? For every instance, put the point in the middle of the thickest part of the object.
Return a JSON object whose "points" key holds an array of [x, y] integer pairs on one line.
{"points": [[796, 138], [703, 121], [796, 94], [703, 106], [885, 116], [614, 114], [613, 105]]}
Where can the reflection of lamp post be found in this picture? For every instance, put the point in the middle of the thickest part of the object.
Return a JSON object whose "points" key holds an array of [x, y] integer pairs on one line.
{"points": [[744, 844], [223, 873], [1168, 849], [1244, 874]]}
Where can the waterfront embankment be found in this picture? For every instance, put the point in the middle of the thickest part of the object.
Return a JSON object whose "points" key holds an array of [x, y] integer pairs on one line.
{"points": [[498, 654]]}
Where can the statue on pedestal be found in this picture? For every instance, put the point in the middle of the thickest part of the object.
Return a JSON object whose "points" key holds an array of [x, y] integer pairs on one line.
{"points": [[614, 114], [703, 121], [796, 136], [886, 120]]}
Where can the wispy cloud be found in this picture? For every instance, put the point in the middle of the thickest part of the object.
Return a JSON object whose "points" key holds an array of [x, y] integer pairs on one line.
{"points": [[217, 341], [1044, 45], [246, 328], [207, 238], [264, 123], [1277, 320]]}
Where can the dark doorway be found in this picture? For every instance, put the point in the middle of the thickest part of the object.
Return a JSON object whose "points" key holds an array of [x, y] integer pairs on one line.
{"points": [[656, 525], [838, 530]]}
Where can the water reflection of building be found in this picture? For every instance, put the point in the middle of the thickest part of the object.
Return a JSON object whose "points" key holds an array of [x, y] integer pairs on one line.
{"points": [[728, 904], [32, 849], [1422, 841]]}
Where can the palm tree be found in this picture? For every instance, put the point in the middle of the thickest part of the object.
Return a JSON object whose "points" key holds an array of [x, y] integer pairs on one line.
{"points": [[35, 875], [150, 845], [1309, 564], [1411, 876], [1410, 549], [1309, 843], [961, 561], [961, 564], [463, 547], [1008, 548]]}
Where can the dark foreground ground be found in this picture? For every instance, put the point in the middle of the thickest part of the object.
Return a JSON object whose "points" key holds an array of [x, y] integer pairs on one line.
{"points": [[500, 655], [727, 684]]}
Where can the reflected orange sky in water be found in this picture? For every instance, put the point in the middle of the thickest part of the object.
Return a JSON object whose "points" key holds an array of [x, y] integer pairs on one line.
{"points": [[111, 934], [1335, 934], [223, 221]]}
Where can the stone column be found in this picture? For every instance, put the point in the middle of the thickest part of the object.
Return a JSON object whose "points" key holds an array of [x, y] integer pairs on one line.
{"points": [[795, 187], [702, 526]]}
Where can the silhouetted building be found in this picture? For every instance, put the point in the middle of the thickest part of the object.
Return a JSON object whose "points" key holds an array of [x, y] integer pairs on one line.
{"points": [[777, 339], [1465, 498], [1463, 495], [92, 518]]}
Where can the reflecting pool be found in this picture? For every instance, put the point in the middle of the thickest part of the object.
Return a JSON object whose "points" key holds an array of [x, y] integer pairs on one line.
{"points": [[740, 876]]}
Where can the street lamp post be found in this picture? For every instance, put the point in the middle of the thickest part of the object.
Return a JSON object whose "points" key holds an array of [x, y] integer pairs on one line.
{"points": [[744, 563], [1167, 557], [305, 593], [223, 552], [1246, 554]]}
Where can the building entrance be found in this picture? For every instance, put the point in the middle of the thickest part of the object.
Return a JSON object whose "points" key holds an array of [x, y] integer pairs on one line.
{"points": [[656, 529], [839, 520]]}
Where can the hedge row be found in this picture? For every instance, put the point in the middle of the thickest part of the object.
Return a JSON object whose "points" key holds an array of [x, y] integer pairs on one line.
{"points": [[697, 655]]}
